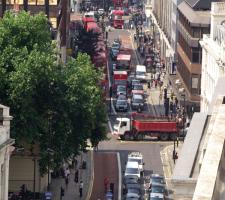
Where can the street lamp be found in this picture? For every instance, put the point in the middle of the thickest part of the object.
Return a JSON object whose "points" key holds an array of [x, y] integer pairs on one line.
{"points": [[184, 113]]}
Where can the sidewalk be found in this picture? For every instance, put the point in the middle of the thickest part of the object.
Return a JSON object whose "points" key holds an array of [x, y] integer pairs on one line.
{"points": [[72, 190]]}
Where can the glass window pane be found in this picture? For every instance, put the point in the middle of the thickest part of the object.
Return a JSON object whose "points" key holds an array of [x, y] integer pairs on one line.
{"points": [[53, 20], [20, 2], [52, 2], [31, 2], [40, 2], [8, 2]]}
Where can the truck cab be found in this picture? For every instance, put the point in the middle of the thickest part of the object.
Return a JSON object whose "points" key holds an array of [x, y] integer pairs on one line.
{"points": [[122, 126], [123, 62]]}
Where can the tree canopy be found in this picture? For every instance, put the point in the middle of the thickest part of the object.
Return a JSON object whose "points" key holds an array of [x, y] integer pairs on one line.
{"points": [[52, 105]]}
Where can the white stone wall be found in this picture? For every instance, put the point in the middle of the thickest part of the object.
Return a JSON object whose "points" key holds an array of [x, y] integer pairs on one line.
{"points": [[5, 151], [212, 56]]}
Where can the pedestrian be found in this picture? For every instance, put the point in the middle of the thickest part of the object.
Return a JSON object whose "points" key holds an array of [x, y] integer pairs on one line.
{"points": [[81, 188], [76, 176], [67, 181]]}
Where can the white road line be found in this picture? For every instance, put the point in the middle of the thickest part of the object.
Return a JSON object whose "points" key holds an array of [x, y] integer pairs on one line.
{"points": [[119, 176]]}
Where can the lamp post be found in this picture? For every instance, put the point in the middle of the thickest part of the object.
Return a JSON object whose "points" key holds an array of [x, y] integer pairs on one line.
{"points": [[184, 113]]}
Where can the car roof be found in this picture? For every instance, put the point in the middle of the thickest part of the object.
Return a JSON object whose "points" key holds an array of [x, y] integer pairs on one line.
{"points": [[158, 185], [136, 154], [132, 164], [141, 67]]}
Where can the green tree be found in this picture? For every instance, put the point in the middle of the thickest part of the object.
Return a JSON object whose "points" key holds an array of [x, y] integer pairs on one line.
{"points": [[54, 106]]}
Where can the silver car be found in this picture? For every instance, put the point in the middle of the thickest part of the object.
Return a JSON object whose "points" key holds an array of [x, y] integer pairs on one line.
{"points": [[121, 104], [121, 90]]}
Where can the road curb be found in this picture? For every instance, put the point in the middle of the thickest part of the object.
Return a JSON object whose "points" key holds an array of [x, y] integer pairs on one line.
{"points": [[88, 196], [119, 176]]}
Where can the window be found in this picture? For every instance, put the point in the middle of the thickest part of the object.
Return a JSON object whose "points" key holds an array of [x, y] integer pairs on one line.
{"points": [[11, 2], [40, 2], [31, 2], [52, 2], [53, 21], [123, 124]]}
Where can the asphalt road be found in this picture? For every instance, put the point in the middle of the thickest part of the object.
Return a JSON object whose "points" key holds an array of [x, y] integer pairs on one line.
{"points": [[149, 148]]}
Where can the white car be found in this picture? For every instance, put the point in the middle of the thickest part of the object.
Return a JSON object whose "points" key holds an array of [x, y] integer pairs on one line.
{"points": [[137, 157], [132, 169]]}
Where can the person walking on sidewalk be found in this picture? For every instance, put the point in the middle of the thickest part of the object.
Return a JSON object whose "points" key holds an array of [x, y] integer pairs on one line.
{"points": [[76, 176], [81, 188]]}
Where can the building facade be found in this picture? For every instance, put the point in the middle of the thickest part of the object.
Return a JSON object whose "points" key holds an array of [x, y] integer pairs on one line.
{"points": [[193, 22], [162, 18], [5, 150], [213, 55]]}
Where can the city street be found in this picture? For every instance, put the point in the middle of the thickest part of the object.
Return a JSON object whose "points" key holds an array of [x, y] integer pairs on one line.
{"points": [[150, 147]]}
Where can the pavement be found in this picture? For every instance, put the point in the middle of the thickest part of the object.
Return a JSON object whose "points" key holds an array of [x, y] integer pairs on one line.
{"points": [[72, 189]]}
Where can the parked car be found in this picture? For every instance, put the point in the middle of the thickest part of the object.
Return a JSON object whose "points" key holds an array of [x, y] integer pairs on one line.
{"points": [[137, 102], [157, 179], [121, 90], [121, 104]]}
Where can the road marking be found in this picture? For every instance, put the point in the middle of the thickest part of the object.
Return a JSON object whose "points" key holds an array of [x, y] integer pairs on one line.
{"points": [[145, 142], [119, 176]]}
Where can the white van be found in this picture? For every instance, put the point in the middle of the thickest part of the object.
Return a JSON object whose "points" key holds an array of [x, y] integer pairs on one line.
{"points": [[137, 157], [141, 72], [132, 169]]}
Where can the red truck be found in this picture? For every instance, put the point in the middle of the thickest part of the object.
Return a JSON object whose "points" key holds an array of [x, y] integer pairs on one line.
{"points": [[117, 18], [140, 125], [119, 78]]}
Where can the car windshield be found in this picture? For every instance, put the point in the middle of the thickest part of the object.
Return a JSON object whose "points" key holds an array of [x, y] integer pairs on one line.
{"points": [[133, 190], [121, 102], [121, 88], [122, 97], [157, 180], [131, 170], [136, 160], [116, 45], [157, 189], [137, 100], [140, 73], [137, 87]]}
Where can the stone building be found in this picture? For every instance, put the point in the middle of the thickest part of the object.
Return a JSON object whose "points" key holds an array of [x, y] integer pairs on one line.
{"points": [[213, 55], [199, 171], [193, 22], [5, 150]]}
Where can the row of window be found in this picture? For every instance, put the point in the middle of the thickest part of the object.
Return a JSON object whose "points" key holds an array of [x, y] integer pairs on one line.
{"points": [[194, 54], [31, 2]]}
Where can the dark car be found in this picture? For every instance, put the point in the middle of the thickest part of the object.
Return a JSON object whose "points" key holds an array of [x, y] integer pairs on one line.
{"points": [[137, 89], [137, 102], [158, 188], [114, 53], [157, 178], [121, 90]]}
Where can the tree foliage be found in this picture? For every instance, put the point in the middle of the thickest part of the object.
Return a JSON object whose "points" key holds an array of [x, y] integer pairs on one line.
{"points": [[52, 105]]}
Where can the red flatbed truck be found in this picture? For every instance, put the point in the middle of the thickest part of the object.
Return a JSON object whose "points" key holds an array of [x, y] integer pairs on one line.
{"points": [[140, 125]]}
